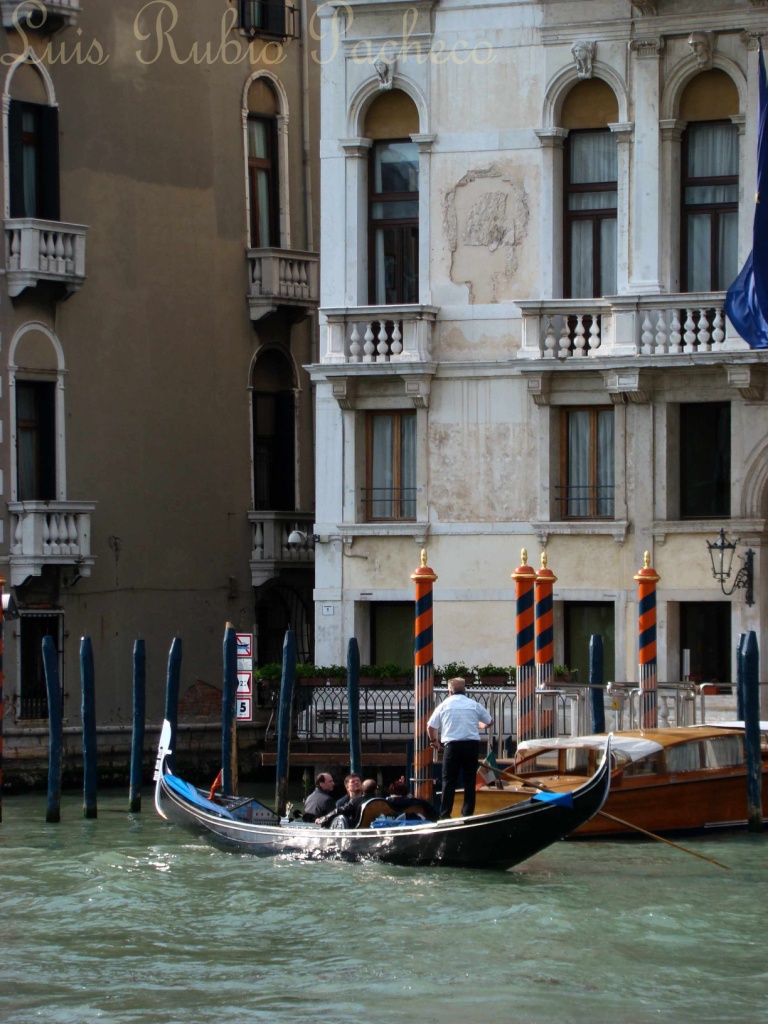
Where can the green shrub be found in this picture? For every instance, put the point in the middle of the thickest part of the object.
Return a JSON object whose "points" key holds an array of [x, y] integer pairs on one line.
{"points": [[268, 673], [389, 670]]}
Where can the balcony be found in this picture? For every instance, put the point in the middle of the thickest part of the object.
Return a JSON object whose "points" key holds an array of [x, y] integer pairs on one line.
{"points": [[282, 278], [660, 326], [379, 334], [43, 250], [270, 551], [50, 533], [42, 15]]}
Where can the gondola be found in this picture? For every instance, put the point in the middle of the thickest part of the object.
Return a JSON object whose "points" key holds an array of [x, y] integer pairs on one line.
{"points": [[398, 832]]}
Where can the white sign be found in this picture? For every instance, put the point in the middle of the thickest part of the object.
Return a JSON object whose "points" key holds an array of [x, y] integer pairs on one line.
{"points": [[327, 609], [244, 645], [243, 709], [244, 683], [244, 664]]}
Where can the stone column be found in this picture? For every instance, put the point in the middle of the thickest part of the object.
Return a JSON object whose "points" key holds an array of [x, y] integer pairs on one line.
{"points": [[645, 275], [551, 212], [624, 131], [352, 220]]}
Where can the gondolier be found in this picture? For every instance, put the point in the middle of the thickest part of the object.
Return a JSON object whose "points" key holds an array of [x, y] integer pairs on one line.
{"points": [[457, 720]]}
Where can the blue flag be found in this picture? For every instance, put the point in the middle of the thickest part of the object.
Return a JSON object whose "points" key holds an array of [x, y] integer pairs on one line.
{"points": [[746, 302]]}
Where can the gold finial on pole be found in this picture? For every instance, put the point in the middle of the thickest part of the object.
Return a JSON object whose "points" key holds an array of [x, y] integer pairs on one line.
{"points": [[646, 559], [543, 559], [423, 557], [524, 556]]}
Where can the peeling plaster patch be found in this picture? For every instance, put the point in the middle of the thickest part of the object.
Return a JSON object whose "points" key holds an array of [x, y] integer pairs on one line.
{"points": [[485, 217]]}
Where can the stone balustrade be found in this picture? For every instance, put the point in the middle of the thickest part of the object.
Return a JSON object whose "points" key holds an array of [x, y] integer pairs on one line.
{"points": [[379, 334], [49, 533], [270, 550], [621, 326], [43, 250], [282, 277]]}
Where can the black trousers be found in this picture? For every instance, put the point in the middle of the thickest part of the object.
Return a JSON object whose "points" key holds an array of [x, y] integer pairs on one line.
{"points": [[458, 755]]}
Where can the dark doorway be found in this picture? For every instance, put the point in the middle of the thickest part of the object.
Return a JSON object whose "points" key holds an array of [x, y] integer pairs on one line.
{"points": [[392, 625], [705, 631], [583, 619], [279, 607], [33, 692]]}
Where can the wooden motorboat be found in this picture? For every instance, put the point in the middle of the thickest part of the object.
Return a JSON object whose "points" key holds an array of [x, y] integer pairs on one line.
{"points": [[670, 781], [399, 832]]}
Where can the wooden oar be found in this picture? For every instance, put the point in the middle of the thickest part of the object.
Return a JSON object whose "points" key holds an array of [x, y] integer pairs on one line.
{"points": [[611, 817]]}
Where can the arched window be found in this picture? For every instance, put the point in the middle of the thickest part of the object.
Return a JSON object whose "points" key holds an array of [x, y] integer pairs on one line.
{"points": [[263, 166], [709, 183], [590, 191], [393, 207], [274, 433], [32, 146]]}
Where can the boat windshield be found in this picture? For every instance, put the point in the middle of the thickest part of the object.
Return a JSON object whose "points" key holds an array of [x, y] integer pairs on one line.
{"points": [[718, 752]]}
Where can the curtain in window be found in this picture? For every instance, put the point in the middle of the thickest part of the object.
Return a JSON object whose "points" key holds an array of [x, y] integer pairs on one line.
{"points": [[594, 158], [26, 444], [382, 475], [408, 466], [608, 256], [713, 151], [605, 463], [728, 250], [578, 463], [699, 252], [581, 258]]}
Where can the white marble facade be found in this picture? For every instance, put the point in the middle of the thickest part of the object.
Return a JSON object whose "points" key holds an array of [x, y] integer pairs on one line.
{"points": [[492, 352]]}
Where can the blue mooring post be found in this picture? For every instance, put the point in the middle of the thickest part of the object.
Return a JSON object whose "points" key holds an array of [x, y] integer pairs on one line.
{"points": [[228, 711], [55, 728], [740, 676], [353, 706], [137, 738], [88, 683], [172, 695], [751, 677], [596, 696], [284, 716]]}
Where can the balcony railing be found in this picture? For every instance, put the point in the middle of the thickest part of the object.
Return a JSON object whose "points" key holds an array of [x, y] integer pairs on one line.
{"points": [[379, 334], [43, 250], [388, 503], [270, 550], [661, 325], [50, 533], [42, 15], [282, 277], [586, 501]]}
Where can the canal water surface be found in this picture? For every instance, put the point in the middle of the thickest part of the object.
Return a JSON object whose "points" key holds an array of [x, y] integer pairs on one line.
{"points": [[126, 920]]}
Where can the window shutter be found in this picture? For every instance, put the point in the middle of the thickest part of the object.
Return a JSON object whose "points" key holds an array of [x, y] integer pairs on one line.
{"points": [[15, 166], [273, 14], [49, 163]]}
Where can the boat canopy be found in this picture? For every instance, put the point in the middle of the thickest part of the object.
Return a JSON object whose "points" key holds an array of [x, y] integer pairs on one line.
{"points": [[634, 748]]}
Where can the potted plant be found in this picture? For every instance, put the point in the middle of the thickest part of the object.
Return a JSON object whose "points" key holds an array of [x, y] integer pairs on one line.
{"points": [[388, 672], [563, 674], [493, 675], [318, 675], [451, 670]]}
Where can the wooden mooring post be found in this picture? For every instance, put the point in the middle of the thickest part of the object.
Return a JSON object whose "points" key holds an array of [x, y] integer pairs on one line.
{"points": [[137, 735], [88, 682], [750, 681], [55, 728], [284, 717], [228, 713]]}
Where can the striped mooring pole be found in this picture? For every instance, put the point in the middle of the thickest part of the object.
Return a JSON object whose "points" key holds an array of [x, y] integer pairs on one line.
{"points": [[647, 578], [545, 651], [424, 677], [525, 579]]}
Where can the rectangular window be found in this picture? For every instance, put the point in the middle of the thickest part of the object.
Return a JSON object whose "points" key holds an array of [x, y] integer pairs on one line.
{"points": [[33, 160], [263, 17], [587, 464], [390, 491], [705, 460], [394, 223], [263, 182], [710, 206], [274, 456], [590, 214], [35, 440], [705, 632]]}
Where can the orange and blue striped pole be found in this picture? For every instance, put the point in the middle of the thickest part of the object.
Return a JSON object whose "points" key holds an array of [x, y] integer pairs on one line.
{"points": [[525, 578], [424, 674], [647, 578], [545, 650]]}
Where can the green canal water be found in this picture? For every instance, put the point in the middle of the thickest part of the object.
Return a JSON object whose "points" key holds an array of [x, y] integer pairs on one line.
{"points": [[124, 919]]}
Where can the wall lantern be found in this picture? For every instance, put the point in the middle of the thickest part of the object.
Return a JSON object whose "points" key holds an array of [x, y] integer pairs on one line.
{"points": [[721, 552]]}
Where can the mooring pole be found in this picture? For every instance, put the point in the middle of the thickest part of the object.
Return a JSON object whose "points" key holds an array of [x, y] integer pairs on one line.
{"points": [[353, 706], [228, 713], [596, 695], [2, 584], [525, 671], [139, 714], [545, 653], [647, 578], [740, 676], [751, 677], [424, 680], [88, 682], [284, 721], [55, 728], [172, 681]]}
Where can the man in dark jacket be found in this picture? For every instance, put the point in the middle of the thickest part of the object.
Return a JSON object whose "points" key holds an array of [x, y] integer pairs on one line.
{"points": [[320, 801]]}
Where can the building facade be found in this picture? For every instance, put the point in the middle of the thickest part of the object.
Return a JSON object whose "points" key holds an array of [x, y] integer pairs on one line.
{"points": [[530, 215], [157, 307]]}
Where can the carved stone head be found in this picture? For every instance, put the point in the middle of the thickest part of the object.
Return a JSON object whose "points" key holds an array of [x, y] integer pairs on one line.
{"points": [[701, 47], [583, 51]]}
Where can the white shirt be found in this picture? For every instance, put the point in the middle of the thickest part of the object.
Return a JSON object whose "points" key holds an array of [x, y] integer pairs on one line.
{"points": [[457, 718]]}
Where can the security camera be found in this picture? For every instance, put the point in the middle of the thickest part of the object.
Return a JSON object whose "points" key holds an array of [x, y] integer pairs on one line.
{"points": [[297, 539]]}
